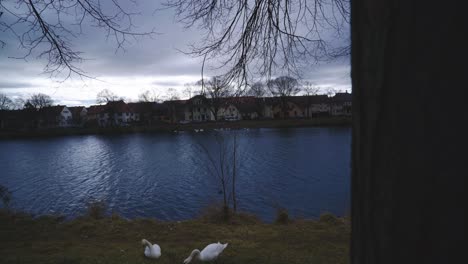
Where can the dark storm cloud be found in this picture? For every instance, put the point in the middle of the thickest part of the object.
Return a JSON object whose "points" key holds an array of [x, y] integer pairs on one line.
{"points": [[166, 83], [157, 57], [14, 84]]}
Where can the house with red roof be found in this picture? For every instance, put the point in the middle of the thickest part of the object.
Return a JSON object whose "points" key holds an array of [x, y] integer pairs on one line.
{"points": [[117, 113], [79, 115]]}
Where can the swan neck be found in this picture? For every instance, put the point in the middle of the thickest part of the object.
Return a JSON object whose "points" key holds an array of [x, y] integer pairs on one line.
{"points": [[147, 243], [194, 253]]}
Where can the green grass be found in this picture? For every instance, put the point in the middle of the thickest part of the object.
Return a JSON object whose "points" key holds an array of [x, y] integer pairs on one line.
{"points": [[48, 239]]}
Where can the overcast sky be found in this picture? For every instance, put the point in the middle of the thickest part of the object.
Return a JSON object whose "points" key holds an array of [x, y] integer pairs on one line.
{"points": [[147, 64]]}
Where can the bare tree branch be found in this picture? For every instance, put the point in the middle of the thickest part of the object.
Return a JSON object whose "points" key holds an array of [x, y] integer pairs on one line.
{"points": [[5, 102], [48, 28], [247, 37]]}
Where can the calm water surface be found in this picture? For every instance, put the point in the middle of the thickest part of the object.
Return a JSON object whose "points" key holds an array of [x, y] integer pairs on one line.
{"points": [[306, 170]]}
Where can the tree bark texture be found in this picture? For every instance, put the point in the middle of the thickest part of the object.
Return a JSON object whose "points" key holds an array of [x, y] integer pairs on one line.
{"points": [[409, 160]]}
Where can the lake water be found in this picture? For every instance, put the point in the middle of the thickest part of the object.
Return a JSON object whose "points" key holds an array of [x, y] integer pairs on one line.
{"points": [[166, 176]]}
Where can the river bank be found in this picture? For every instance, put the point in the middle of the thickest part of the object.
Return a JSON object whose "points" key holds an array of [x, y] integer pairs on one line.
{"points": [[48, 239], [169, 127]]}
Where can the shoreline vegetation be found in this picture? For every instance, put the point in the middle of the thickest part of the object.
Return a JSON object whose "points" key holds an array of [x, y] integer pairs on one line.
{"points": [[172, 127], [97, 238]]}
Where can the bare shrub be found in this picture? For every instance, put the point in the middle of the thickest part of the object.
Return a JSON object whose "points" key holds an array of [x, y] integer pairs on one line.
{"points": [[96, 209]]}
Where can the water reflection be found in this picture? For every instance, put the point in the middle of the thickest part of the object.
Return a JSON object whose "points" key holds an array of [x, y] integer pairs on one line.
{"points": [[164, 175]]}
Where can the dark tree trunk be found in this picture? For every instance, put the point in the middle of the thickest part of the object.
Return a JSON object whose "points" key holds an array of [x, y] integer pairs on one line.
{"points": [[409, 148]]}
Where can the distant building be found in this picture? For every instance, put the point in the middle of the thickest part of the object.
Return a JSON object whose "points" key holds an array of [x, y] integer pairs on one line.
{"points": [[340, 104], [250, 107], [229, 110], [198, 109], [117, 113], [55, 116], [94, 114], [79, 115]]}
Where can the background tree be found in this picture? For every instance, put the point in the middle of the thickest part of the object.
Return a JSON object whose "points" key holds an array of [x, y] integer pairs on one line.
{"points": [[216, 89], [330, 91], [5, 102], [18, 103], [191, 89], [172, 94], [283, 87], [38, 101], [310, 89], [257, 89], [41, 29], [105, 96], [148, 96]]}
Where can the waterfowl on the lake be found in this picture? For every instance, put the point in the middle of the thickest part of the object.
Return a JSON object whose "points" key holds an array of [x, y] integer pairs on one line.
{"points": [[151, 250], [209, 253]]}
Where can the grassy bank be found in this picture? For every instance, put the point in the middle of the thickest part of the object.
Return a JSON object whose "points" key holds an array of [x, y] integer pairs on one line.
{"points": [[24, 239], [166, 127]]}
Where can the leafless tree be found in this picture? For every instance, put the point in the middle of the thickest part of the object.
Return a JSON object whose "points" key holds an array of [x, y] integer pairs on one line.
{"points": [[148, 96], [172, 94], [310, 88], [283, 87], [258, 90], [48, 28], [39, 101], [19, 103], [263, 36], [191, 89], [330, 91], [5, 102], [216, 89], [235, 169], [223, 164], [106, 96], [218, 165]]}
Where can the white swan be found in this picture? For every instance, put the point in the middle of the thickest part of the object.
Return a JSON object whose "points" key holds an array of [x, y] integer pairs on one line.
{"points": [[209, 253], [151, 251]]}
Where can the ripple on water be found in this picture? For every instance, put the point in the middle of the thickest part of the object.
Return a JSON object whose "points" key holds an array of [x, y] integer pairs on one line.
{"points": [[165, 175]]}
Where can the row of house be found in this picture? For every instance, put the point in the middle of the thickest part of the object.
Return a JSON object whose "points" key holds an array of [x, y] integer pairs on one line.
{"points": [[200, 108], [195, 109]]}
